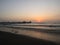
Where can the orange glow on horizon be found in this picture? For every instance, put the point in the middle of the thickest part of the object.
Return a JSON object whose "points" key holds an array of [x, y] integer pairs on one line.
{"points": [[39, 19]]}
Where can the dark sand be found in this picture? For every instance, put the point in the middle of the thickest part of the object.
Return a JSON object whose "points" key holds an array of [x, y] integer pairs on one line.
{"points": [[14, 39]]}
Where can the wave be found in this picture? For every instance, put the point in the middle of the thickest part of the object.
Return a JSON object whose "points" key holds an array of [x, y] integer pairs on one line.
{"points": [[46, 28], [52, 31], [44, 25]]}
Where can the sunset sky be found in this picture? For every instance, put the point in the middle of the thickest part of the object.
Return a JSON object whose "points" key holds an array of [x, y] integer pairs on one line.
{"points": [[34, 10]]}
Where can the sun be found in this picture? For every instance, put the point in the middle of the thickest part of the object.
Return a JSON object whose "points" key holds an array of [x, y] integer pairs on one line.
{"points": [[39, 19]]}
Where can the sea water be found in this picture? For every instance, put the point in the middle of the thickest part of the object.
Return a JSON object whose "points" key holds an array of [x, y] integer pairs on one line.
{"points": [[36, 30]]}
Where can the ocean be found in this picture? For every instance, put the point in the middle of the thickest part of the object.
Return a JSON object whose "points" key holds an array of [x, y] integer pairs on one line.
{"points": [[50, 32]]}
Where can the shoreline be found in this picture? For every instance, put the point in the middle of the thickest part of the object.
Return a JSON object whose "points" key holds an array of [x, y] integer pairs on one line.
{"points": [[9, 38]]}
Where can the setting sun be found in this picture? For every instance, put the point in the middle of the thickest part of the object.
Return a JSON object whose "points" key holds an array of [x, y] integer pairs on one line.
{"points": [[34, 22], [28, 10], [39, 19]]}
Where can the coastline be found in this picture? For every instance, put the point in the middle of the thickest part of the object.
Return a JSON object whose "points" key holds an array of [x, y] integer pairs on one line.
{"points": [[14, 39]]}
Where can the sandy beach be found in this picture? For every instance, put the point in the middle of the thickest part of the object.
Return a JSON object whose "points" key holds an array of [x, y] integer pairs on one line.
{"points": [[14, 39]]}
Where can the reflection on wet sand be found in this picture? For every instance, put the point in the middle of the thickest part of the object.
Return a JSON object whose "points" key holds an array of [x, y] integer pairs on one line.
{"points": [[35, 34]]}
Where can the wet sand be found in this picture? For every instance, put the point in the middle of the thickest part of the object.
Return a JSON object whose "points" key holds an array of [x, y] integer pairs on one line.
{"points": [[14, 39]]}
